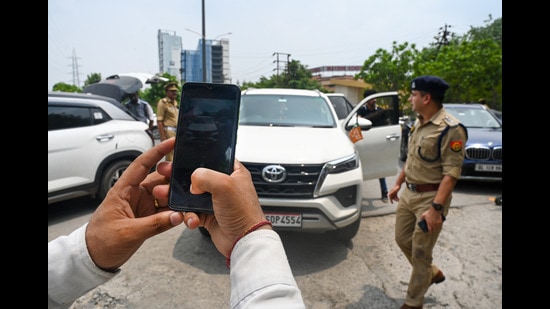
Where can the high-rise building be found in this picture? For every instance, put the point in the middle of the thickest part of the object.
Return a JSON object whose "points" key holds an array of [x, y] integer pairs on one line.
{"points": [[217, 62], [169, 52], [187, 64]]}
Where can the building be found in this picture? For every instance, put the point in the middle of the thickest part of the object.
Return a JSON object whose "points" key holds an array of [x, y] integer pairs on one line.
{"points": [[217, 62], [341, 79], [187, 64], [169, 52]]}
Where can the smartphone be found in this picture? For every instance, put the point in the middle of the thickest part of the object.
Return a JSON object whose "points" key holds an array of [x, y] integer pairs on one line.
{"points": [[206, 136], [424, 226]]}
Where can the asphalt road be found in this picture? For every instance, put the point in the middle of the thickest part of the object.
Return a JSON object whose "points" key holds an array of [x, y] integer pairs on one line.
{"points": [[182, 269]]}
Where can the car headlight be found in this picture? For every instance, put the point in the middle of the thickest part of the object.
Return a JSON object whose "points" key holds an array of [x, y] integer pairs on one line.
{"points": [[336, 166], [342, 165]]}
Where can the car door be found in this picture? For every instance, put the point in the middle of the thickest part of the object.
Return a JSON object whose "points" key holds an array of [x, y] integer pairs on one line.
{"points": [[379, 148], [76, 147]]}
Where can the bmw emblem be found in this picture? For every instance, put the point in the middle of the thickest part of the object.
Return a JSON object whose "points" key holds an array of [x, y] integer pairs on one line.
{"points": [[274, 173]]}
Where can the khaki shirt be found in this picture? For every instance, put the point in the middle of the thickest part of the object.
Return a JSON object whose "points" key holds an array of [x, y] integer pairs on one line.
{"points": [[429, 159], [167, 112]]}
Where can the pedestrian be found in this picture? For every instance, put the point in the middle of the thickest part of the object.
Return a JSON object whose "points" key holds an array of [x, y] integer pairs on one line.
{"points": [[141, 109], [167, 114], [375, 114], [431, 171], [135, 209]]}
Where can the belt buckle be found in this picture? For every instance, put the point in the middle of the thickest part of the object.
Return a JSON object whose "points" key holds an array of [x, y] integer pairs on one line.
{"points": [[411, 186]]}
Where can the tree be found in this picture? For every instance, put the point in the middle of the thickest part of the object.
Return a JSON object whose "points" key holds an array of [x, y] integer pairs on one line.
{"points": [[390, 71], [473, 70], [156, 92], [471, 64], [92, 79], [66, 87], [296, 76]]}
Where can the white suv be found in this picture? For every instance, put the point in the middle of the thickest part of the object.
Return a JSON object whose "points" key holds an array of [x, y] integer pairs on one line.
{"points": [[307, 173], [91, 140]]}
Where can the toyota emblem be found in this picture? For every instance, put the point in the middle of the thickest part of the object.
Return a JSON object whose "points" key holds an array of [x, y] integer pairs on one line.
{"points": [[274, 173]]}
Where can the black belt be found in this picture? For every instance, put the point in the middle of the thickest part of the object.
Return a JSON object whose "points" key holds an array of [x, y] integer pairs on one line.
{"points": [[422, 187]]}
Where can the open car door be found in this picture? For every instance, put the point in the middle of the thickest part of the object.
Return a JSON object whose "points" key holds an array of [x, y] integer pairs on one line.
{"points": [[379, 148]]}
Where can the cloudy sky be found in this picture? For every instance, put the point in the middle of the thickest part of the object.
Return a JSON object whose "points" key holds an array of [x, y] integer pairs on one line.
{"points": [[110, 37]]}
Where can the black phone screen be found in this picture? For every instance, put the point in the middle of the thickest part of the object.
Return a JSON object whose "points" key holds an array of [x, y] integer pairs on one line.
{"points": [[206, 136]]}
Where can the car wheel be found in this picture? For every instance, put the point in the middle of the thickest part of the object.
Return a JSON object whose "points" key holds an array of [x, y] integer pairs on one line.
{"points": [[348, 232], [111, 174]]}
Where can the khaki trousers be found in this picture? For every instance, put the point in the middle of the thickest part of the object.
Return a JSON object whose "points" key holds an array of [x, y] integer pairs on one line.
{"points": [[415, 244], [170, 155]]}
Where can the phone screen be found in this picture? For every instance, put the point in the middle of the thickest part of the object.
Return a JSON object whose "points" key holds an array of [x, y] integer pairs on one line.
{"points": [[206, 136]]}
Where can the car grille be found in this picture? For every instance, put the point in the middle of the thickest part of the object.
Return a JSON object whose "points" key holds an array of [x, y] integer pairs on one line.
{"points": [[300, 181], [484, 153]]}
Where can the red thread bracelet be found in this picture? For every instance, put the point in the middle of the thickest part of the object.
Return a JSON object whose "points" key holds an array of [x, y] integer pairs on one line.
{"points": [[250, 230]]}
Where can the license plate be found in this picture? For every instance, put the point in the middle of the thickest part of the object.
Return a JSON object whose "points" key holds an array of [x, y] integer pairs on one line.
{"points": [[488, 167], [286, 220]]}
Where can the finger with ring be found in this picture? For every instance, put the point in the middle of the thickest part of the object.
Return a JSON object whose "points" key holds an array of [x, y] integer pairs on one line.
{"points": [[157, 204]]}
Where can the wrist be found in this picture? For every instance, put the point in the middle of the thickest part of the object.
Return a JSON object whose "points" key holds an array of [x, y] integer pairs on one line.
{"points": [[437, 206]]}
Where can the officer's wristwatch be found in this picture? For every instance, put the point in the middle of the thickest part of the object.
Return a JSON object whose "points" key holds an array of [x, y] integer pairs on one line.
{"points": [[437, 206]]}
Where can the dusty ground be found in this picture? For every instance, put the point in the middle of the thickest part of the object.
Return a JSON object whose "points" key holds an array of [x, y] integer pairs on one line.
{"points": [[179, 269]]}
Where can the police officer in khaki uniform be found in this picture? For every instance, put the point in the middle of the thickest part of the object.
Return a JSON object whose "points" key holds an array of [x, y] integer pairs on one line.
{"points": [[167, 114], [433, 166]]}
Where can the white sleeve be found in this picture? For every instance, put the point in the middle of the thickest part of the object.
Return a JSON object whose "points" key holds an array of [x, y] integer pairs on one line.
{"points": [[71, 271], [260, 273]]}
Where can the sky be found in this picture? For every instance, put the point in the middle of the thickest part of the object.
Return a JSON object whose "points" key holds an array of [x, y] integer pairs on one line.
{"points": [[111, 37]]}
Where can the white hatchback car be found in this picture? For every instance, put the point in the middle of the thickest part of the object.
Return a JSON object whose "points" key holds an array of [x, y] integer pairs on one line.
{"points": [[91, 141], [307, 173]]}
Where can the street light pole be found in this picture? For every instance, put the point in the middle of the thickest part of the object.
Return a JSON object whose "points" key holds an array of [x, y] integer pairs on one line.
{"points": [[203, 45], [219, 36]]}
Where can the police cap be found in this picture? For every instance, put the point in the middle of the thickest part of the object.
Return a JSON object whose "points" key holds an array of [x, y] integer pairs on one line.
{"points": [[432, 84], [171, 86]]}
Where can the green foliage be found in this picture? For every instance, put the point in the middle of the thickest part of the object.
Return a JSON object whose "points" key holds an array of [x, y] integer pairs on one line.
{"points": [[473, 70], [92, 79], [66, 87], [471, 64], [390, 71], [297, 76]]}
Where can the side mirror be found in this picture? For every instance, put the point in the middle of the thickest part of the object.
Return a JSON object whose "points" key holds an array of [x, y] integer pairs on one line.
{"points": [[363, 123]]}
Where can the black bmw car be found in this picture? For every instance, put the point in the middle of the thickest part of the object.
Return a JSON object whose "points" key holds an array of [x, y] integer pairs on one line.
{"points": [[483, 159]]}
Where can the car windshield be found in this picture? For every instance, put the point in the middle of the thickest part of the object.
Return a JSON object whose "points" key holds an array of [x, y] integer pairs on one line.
{"points": [[285, 110], [474, 117]]}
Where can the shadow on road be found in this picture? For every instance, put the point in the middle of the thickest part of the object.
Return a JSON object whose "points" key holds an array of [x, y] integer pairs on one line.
{"points": [[307, 252]]}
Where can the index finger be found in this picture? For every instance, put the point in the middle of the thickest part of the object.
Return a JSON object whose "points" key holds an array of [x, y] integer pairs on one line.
{"points": [[141, 166]]}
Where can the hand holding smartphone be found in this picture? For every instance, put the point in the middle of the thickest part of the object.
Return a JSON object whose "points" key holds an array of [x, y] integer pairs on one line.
{"points": [[206, 137], [424, 226]]}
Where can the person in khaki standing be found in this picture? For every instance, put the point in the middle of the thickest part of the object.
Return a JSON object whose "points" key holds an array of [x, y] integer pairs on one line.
{"points": [[167, 115], [434, 164]]}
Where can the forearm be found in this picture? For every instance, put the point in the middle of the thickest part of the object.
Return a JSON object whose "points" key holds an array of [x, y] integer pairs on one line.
{"points": [[445, 190], [401, 177], [71, 271], [252, 283]]}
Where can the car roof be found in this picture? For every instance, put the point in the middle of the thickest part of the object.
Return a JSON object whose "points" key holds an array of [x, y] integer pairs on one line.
{"points": [[462, 105], [109, 105], [95, 98], [285, 91]]}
